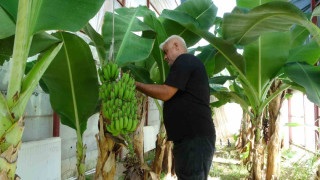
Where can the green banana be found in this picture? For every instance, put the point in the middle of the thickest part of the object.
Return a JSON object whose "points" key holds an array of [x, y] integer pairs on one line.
{"points": [[112, 126], [125, 122], [106, 74], [135, 122], [124, 131], [109, 128], [121, 123], [117, 125], [129, 126], [116, 133]]}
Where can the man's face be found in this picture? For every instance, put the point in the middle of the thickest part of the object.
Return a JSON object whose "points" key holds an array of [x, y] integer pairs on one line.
{"points": [[170, 52]]}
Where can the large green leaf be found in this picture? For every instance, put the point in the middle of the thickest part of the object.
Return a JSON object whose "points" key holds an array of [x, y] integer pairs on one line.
{"points": [[69, 15], [7, 27], [151, 20], [221, 79], [207, 56], [307, 76], [299, 34], [97, 40], [128, 47], [6, 48], [203, 12], [40, 42], [220, 63], [252, 3], [72, 82], [243, 28], [31, 80], [264, 58], [309, 53]]}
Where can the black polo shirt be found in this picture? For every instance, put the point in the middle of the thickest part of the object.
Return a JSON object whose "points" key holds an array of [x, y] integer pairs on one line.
{"points": [[187, 114]]}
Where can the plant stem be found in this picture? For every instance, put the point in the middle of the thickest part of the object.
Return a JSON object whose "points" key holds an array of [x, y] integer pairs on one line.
{"points": [[21, 48]]}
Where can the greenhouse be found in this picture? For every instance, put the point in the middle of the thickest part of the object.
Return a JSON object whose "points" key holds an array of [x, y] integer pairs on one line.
{"points": [[159, 89]]}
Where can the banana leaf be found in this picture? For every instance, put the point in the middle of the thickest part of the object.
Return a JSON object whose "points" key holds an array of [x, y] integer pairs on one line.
{"points": [[40, 42], [207, 56], [151, 20], [252, 3], [309, 53], [72, 82], [221, 79], [243, 28], [299, 34], [264, 59], [307, 76], [220, 63], [203, 13], [69, 15], [128, 46], [8, 26], [98, 42]]}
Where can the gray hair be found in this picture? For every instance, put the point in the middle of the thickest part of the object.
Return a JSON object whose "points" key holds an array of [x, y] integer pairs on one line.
{"points": [[173, 37]]}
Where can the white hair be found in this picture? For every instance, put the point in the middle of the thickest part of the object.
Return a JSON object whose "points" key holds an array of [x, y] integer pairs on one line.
{"points": [[173, 37]]}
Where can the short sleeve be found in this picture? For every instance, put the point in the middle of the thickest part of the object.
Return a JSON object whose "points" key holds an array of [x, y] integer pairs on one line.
{"points": [[179, 74]]}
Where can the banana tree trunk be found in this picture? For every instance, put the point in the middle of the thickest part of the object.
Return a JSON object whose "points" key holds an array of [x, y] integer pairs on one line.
{"points": [[244, 132], [257, 150], [167, 158], [107, 150], [10, 145], [274, 146], [138, 134], [160, 147]]}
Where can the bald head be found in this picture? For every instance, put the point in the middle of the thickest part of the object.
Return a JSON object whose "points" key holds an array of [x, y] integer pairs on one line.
{"points": [[173, 47]]}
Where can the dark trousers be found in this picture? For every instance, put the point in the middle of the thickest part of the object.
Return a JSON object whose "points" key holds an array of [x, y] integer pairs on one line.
{"points": [[193, 157]]}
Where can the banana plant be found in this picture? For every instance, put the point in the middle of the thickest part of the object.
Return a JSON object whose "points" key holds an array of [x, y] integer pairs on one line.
{"points": [[72, 83], [119, 43], [265, 52], [24, 19]]}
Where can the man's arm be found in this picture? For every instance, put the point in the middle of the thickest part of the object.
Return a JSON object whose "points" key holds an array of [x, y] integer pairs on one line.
{"points": [[162, 92]]}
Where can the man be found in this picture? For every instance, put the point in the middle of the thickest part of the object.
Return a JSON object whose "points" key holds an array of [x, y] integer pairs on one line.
{"points": [[186, 111]]}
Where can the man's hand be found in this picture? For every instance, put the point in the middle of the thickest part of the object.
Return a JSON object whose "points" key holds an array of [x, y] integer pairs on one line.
{"points": [[162, 92]]}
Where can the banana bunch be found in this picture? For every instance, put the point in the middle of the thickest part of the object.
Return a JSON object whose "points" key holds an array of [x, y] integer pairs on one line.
{"points": [[119, 102], [109, 72]]}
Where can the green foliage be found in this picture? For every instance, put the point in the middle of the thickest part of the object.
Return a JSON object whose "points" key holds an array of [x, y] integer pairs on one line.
{"points": [[243, 28], [125, 41], [69, 15], [72, 82], [307, 76], [207, 56], [199, 14], [151, 20], [252, 3], [7, 24]]}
